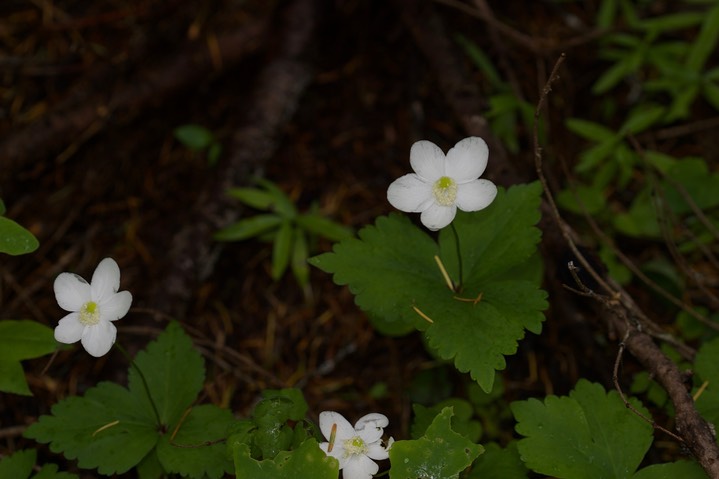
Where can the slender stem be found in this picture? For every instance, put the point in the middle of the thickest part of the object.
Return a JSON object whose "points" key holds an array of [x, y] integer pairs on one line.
{"points": [[144, 381], [459, 257]]}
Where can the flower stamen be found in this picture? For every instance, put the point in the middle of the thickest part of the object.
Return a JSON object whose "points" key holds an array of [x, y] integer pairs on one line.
{"points": [[89, 314], [445, 191]]}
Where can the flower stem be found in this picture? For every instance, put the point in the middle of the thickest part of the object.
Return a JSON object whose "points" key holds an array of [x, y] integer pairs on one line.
{"points": [[459, 258], [144, 381]]}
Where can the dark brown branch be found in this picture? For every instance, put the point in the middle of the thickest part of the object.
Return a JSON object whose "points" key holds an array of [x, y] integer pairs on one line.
{"points": [[192, 252], [690, 425]]}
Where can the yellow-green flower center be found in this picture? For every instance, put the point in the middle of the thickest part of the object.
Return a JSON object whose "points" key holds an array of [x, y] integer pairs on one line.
{"points": [[90, 314], [355, 446], [445, 191]]}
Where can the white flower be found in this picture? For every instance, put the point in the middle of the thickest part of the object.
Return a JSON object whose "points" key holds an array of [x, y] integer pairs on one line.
{"points": [[92, 307], [355, 447], [440, 185]]}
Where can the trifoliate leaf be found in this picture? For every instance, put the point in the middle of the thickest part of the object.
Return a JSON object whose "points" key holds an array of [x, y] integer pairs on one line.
{"points": [[306, 462], [440, 453], [14, 239], [198, 449], [392, 270], [174, 372], [499, 463], [106, 429], [589, 434]]}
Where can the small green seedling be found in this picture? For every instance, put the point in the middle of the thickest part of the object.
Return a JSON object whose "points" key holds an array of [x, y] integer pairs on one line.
{"points": [[198, 138], [290, 231]]}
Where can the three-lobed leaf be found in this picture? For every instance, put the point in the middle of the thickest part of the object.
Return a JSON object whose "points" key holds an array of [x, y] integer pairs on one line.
{"points": [[589, 434], [392, 271]]}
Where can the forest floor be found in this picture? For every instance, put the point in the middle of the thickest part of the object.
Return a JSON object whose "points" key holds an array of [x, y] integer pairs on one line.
{"points": [[324, 99]]}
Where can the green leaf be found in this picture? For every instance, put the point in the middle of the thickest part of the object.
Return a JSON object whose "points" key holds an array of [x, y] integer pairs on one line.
{"points": [[323, 227], [18, 465], [641, 118], [248, 228], [282, 249], [590, 130], [253, 197], [107, 429], [582, 200], [174, 371], [300, 253], [112, 428], [3, 209], [25, 339], [391, 269], [588, 434], [12, 378], [282, 204], [499, 463], [698, 182], [462, 421], [195, 137], [673, 21], [21, 340], [197, 449], [705, 43], [273, 416], [306, 462], [441, 452], [706, 371], [672, 470], [14, 239]]}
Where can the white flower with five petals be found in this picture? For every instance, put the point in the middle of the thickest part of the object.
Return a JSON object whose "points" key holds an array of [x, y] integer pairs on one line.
{"points": [[355, 447], [92, 307], [440, 184]]}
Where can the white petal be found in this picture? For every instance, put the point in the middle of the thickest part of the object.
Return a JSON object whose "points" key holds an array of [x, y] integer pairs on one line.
{"points": [[410, 194], [370, 427], [467, 160], [437, 217], [71, 291], [359, 467], [344, 428], [377, 452], [98, 339], [338, 452], [116, 306], [427, 160], [475, 195], [105, 280], [69, 329]]}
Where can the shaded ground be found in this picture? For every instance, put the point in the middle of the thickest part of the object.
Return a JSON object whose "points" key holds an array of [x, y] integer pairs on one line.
{"points": [[325, 99]]}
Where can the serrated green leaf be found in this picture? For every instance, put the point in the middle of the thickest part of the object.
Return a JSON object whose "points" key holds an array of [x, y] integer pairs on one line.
{"points": [[49, 471], [391, 269], [18, 465], [306, 462], [672, 470], [440, 453], [462, 421], [282, 249], [14, 239], [254, 197], [23, 339], [323, 227], [107, 429], [273, 416], [499, 463], [193, 136], [248, 228], [197, 449], [112, 428], [588, 434], [174, 371]]}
